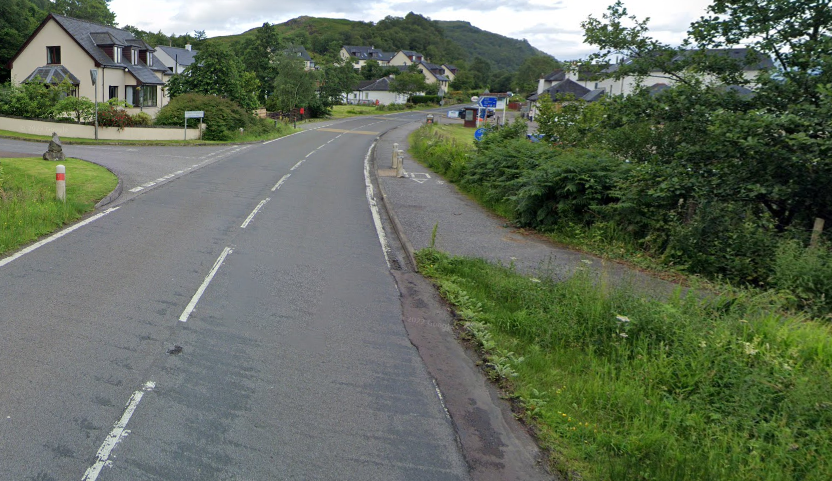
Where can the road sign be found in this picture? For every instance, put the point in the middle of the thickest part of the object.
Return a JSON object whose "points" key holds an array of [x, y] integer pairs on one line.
{"points": [[194, 114], [478, 134], [488, 102]]}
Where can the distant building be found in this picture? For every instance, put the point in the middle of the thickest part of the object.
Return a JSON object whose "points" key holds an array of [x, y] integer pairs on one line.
{"points": [[175, 58]]}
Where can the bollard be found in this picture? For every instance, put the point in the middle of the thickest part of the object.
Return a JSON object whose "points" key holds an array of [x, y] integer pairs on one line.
{"points": [[400, 164], [60, 182], [395, 154]]}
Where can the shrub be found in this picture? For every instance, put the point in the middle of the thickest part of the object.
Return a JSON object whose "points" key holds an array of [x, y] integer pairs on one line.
{"points": [[142, 118], [223, 118], [806, 274], [81, 109], [425, 99], [110, 115]]}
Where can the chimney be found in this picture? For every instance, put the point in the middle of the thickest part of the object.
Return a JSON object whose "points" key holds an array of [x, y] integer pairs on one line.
{"points": [[188, 47]]}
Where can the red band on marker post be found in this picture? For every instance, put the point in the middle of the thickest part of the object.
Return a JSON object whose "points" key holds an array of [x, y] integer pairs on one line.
{"points": [[60, 176]]}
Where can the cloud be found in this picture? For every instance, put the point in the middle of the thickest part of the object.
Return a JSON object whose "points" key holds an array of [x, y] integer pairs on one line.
{"points": [[429, 7]]}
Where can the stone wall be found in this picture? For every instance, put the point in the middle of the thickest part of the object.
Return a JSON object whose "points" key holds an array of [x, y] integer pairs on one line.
{"points": [[66, 130]]}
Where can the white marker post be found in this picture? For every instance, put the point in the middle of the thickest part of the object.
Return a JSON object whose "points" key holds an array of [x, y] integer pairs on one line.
{"points": [[60, 182], [395, 153]]}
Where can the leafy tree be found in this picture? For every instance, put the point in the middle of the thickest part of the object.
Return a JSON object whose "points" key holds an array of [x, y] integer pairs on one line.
{"points": [[464, 80], [97, 11], [81, 108], [216, 71], [481, 71], [408, 83], [337, 77], [18, 19], [294, 87], [532, 69], [258, 53], [501, 82]]}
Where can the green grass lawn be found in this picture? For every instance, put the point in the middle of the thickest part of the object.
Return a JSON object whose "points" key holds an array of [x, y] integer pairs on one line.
{"points": [[619, 386], [456, 132], [28, 207]]}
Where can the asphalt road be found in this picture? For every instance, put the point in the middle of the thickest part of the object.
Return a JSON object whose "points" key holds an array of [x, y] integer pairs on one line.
{"points": [[235, 320]]}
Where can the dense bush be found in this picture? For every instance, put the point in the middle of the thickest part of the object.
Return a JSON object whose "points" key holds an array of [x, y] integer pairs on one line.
{"points": [[33, 100], [806, 274], [425, 99], [113, 115], [223, 118], [141, 118]]}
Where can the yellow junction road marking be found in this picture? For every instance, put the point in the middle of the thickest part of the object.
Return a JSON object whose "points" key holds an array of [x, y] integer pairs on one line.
{"points": [[340, 131]]}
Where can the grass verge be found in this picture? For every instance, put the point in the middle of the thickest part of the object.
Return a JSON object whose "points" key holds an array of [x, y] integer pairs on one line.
{"points": [[346, 111], [619, 386], [28, 208]]}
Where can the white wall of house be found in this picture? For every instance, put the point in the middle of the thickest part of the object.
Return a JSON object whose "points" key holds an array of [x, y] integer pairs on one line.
{"points": [[400, 59], [73, 57], [383, 97], [628, 85]]}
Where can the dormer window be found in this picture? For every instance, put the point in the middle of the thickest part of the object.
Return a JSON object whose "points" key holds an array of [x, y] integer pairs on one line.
{"points": [[134, 56], [53, 55], [117, 54]]}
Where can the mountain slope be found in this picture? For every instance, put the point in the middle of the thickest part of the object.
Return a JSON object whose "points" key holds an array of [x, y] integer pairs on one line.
{"points": [[504, 52]]}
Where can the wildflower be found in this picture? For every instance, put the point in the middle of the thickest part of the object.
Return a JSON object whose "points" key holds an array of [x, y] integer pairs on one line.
{"points": [[622, 318], [623, 334], [703, 344], [586, 261], [749, 349], [534, 279]]}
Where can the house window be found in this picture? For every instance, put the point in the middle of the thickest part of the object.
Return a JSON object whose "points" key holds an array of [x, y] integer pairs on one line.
{"points": [[148, 96], [134, 56], [113, 92], [53, 55], [117, 54], [130, 95]]}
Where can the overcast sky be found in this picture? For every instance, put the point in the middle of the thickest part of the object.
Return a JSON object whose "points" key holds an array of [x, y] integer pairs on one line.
{"points": [[552, 26]]}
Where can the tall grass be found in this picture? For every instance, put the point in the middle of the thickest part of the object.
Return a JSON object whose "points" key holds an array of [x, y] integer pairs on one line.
{"points": [[28, 207], [620, 386]]}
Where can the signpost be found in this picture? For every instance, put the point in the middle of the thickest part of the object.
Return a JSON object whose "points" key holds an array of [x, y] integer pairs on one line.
{"points": [[94, 78], [485, 103], [478, 134], [193, 114]]}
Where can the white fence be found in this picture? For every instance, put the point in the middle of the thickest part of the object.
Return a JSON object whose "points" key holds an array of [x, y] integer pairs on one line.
{"points": [[40, 127]]}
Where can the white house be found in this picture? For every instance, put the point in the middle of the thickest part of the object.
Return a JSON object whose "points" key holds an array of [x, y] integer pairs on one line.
{"points": [[376, 92]]}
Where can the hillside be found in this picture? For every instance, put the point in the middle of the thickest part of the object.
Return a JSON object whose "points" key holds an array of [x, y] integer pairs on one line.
{"points": [[441, 41], [504, 52]]}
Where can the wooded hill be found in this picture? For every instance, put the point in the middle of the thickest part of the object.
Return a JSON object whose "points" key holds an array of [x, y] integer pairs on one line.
{"points": [[440, 41]]}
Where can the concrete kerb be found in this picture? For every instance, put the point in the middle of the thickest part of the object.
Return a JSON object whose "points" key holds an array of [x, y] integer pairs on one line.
{"points": [[112, 196], [391, 213]]}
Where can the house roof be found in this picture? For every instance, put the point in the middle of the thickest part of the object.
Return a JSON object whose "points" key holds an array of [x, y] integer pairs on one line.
{"points": [[379, 85], [368, 53], [92, 36], [564, 87], [750, 59], [556, 76], [594, 95], [52, 74], [183, 56], [300, 51]]}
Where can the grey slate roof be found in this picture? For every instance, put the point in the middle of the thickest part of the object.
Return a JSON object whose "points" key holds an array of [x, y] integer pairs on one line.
{"points": [[368, 53], [562, 88], [300, 51], [594, 95], [556, 76], [380, 85], [86, 33], [53, 74], [183, 56]]}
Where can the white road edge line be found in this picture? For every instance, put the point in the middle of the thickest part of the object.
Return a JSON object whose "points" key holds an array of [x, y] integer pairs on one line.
{"points": [[280, 182], [117, 434], [371, 199], [254, 212], [297, 165], [56, 236], [194, 300]]}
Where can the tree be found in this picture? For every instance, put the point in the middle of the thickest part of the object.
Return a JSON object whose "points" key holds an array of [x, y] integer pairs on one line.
{"points": [[216, 71], [532, 69], [97, 11], [408, 83], [481, 71], [699, 140], [294, 87], [258, 54], [337, 77], [18, 19]]}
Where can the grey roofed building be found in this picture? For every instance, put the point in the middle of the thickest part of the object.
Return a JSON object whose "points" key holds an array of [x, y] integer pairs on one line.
{"points": [[750, 60], [95, 39], [379, 85], [564, 87], [175, 58], [594, 95], [368, 53]]}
